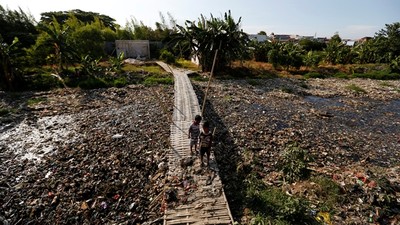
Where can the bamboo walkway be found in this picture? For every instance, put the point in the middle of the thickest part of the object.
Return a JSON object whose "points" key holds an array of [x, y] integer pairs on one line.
{"points": [[200, 195]]}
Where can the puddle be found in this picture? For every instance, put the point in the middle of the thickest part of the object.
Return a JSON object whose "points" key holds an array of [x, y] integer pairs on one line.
{"points": [[32, 140], [393, 107], [324, 102]]}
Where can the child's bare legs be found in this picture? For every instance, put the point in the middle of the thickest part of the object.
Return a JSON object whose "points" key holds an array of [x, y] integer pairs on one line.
{"points": [[208, 157], [202, 152]]}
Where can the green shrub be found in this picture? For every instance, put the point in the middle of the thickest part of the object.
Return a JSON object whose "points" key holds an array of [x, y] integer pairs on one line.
{"points": [[43, 82], [4, 112], [395, 65], [341, 75], [314, 75], [116, 63], [167, 57], [120, 82], [355, 88], [294, 163], [158, 80], [378, 75], [272, 205], [93, 83], [329, 193], [253, 82], [34, 101]]}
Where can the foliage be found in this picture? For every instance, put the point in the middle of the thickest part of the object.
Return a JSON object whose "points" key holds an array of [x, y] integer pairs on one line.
{"points": [[17, 24], [4, 112], [285, 54], [294, 163], [378, 75], [53, 37], [116, 63], [341, 75], [120, 82], [153, 80], [314, 75], [43, 82], [148, 68], [187, 64], [207, 36], [10, 74], [388, 41], [34, 101], [167, 57], [88, 39], [328, 192], [90, 66], [312, 59], [260, 52], [272, 205], [274, 57], [311, 45], [395, 65], [334, 50], [85, 17], [365, 52], [93, 83], [355, 88], [138, 31]]}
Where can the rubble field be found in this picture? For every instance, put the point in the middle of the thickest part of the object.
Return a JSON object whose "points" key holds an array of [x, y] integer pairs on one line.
{"points": [[350, 128], [84, 157], [71, 156]]}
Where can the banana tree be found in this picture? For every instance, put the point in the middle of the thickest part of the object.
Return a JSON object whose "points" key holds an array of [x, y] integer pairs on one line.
{"points": [[205, 36], [8, 71], [56, 37]]}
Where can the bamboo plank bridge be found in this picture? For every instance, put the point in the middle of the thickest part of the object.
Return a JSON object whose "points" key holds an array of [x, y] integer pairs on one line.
{"points": [[199, 191]]}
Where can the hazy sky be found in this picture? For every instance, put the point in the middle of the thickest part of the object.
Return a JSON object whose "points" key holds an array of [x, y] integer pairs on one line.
{"points": [[350, 18]]}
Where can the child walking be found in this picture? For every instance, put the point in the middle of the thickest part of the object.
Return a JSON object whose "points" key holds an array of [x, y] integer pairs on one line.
{"points": [[194, 133], [206, 139]]}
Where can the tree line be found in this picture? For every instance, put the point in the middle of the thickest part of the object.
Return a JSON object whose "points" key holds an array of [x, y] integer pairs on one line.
{"points": [[77, 38]]}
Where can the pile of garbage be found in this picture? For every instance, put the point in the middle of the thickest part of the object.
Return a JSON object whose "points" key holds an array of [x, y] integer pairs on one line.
{"points": [[350, 128], [84, 157]]}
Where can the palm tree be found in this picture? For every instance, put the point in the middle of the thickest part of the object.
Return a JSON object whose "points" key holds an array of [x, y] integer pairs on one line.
{"points": [[205, 36], [57, 38]]}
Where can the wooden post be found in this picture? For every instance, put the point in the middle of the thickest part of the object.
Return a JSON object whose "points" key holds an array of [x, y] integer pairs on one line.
{"points": [[208, 85]]}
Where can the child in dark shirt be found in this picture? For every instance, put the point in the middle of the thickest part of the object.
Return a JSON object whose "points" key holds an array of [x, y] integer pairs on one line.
{"points": [[206, 139], [194, 132]]}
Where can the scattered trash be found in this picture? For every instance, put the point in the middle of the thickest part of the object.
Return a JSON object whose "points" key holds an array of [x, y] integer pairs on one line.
{"points": [[351, 139], [85, 174]]}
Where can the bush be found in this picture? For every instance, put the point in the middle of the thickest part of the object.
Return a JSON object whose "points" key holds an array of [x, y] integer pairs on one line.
{"points": [[314, 75], [34, 101], [379, 75], [294, 163], [120, 82], [341, 75], [273, 206], [4, 112], [355, 88], [93, 83], [329, 192], [158, 80], [43, 82], [167, 57]]}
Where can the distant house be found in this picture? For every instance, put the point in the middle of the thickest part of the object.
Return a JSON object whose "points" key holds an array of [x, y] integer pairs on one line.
{"points": [[258, 37], [138, 49], [283, 37], [364, 39]]}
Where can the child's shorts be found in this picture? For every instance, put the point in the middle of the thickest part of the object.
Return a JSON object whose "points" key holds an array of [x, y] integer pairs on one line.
{"points": [[193, 142], [204, 150]]}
